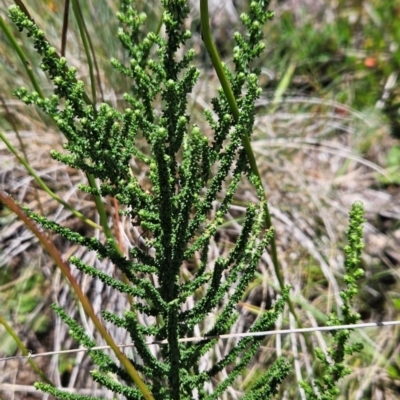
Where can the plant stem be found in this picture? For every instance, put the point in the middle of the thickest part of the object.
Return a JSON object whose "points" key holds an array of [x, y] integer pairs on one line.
{"points": [[86, 45], [219, 69], [24, 350], [54, 253]]}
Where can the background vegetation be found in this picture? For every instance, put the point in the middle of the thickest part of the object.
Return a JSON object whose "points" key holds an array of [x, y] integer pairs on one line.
{"points": [[326, 134]]}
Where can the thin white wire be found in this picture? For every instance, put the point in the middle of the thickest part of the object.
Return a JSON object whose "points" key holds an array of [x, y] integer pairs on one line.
{"points": [[226, 336]]}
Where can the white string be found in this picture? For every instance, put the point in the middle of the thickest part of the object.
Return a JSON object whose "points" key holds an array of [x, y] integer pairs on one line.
{"points": [[226, 336]]}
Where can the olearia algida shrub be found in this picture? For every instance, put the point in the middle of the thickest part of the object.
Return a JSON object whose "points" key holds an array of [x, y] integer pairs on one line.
{"points": [[187, 171], [174, 212]]}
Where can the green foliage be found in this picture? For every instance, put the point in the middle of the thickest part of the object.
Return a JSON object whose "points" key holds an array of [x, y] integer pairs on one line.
{"points": [[188, 173], [175, 212], [24, 295], [350, 57], [393, 166], [333, 362]]}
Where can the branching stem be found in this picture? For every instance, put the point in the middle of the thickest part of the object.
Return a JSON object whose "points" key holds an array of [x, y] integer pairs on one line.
{"points": [[217, 64]]}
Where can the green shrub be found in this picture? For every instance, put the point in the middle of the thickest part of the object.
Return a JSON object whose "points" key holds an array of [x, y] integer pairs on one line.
{"points": [[188, 173]]}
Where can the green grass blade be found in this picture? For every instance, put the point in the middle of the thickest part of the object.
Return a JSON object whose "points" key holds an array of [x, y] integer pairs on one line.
{"points": [[24, 350]]}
